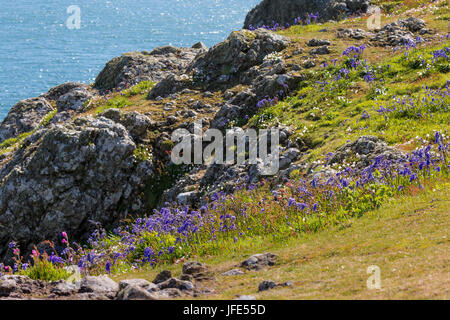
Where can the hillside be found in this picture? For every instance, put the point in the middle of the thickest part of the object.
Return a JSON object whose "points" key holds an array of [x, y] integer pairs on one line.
{"points": [[87, 180]]}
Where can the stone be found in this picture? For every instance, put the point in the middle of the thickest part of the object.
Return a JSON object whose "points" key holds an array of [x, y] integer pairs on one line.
{"points": [[234, 272], [222, 65], [318, 43], [64, 288], [267, 285], [259, 261], [25, 116], [73, 100], [356, 34], [56, 92], [64, 176], [134, 292], [286, 11], [367, 148], [99, 285], [194, 268], [320, 51], [309, 64], [162, 276], [134, 67], [187, 198], [169, 85], [168, 293], [174, 283], [140, 283]]}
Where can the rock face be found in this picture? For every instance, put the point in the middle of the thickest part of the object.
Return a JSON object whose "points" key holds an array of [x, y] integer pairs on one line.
{"points": [[132, 68], [269, 12], [223, 63], [23, 117], [73, 100], [66, 175]]}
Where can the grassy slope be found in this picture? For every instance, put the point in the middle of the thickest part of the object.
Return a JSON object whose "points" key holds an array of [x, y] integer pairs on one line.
{"points": [[407, 238]]}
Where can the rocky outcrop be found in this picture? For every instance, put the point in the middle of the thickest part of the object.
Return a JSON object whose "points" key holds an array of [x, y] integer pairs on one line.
{"points": [[56, 92], [365, 149], [223, 64], [283, 12], [23, 117], [134, 67], [73, 100], [402, 32], [67, 175]]}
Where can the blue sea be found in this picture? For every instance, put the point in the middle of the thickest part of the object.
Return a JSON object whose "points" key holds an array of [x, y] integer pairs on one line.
{"points": [[39, 51]]}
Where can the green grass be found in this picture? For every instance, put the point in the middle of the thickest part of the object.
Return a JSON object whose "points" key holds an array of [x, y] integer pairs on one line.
{"points": [[407, 238]]}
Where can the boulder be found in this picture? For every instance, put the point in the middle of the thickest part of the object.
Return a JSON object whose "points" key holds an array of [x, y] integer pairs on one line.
{"points": [[320, 50], [139, 283], [134, 67], [24, 117], [318, 42], [133, 292], [283, 12], [56, 92], [223, 64], [169, 85], [259, 261], [233, 272], [73, 100], [366, 149], [174, 283], [162, 276], [67, 175], [99, 285]]}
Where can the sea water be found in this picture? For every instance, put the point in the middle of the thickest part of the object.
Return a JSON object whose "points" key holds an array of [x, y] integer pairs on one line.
{"points": [[41, 46]]}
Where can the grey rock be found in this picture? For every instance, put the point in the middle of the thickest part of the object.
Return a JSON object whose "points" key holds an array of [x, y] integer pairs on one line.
{"points": [[73, 100], [286, 11], [65, 175], [162, 276], [132, 68], [99, 285], [259, 261], [169, 85], [267, 285], [200, 45], [187, 198], [234, 272], [356, 34], [318, 42], [56, 92], [168, 293], [223, 63], [194, 268], [23, 117], [139, 283], [367, 148], [174, 283], [320, 50], [309, 64], [64, 288], [134, 292]]}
